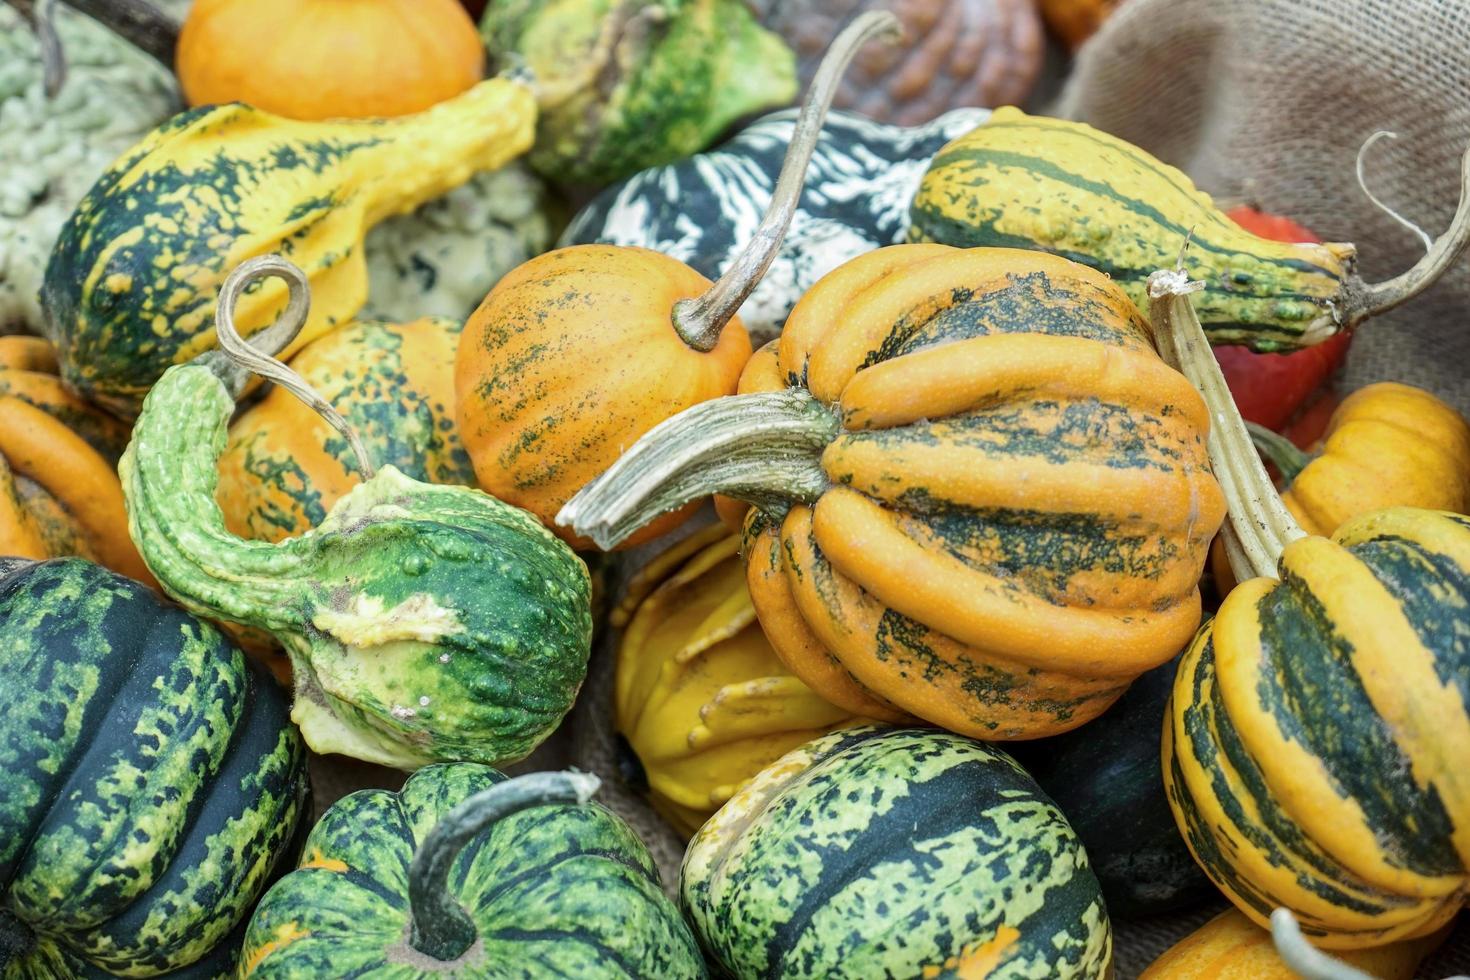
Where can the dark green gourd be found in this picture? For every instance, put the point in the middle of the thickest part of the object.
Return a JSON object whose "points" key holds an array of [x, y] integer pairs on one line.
{"points": [[150, 782], [424, 623], [467, 874]]}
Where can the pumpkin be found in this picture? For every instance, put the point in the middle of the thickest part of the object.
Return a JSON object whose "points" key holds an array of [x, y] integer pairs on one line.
{"points": [[703, 209], [636, 83], [1105, 777], [59, 493], [132, 281], [1386, 445], [325, 59], [284, 468], [962, 52], [465, 872], [899, 853], [1063, 187], [1074, 21], [984, 503], [1315, 743], [1232, 947], [151, 782], [701, 701], [423, 623], [580, 351]]}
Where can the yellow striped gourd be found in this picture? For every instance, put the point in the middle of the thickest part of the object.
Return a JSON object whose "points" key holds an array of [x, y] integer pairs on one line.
{"points": [[1063, 187]]}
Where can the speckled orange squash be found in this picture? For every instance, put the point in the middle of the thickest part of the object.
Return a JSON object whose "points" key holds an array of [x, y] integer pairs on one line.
{"points": [[1074, 21], [327, 59], [981, 498], [577, 353]]}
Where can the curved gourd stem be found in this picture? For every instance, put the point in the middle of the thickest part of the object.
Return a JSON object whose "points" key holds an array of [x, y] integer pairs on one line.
{"points": [[1304, 959], [1260, 521], [1384, 134], [764, 448], [1368, 299], [701, 320], [1279, 450], [11, 564], [439, 926], [138, 22], [255, 355]]}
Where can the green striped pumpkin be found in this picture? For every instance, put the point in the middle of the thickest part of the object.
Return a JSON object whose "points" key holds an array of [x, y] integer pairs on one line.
{"points": [[877, 852], [456, 875], [149, 780], [1057, 186]]}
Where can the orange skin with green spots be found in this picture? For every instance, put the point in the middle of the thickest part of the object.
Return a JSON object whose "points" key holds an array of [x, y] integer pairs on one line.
{"points": [[570, 359]]}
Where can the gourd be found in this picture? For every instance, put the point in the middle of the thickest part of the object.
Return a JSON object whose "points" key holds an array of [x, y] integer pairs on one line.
{"points": [[1315, 743], [962, 53], [980, 497], [1232, 947], [467, 873], [1063, 187], [132, 281], [627, 85], [894, 852], [323, 59], [1074, 21], [1105, 777], [1386, 445], [151, 783], [701, 210], [423, 623], [59, 493], [52, 149], [701, 701], [284, 467], [580, 351]]}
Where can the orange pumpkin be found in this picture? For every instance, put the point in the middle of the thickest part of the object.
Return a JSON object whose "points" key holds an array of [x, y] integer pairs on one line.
{"points": [[326, 59], [577, 353], [981, 498], [1074, 21], [59, 491]]}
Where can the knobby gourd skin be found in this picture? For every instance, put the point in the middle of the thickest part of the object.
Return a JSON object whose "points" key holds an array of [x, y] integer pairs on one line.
{"points": [[151, 780], [628, 85], [894, 852], [700, 698], [992, 504], [559, 890], [1063, 187], [1315, 744], [284, 467], [424, 623], [131, 285]]}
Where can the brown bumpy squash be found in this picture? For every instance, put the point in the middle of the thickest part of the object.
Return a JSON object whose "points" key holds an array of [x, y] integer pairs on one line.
{"points": [[980, 496]]}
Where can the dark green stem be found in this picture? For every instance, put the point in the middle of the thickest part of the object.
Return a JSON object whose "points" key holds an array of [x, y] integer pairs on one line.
{"points": [[441, 928], [1280, 451], [700, 321], [764, 448]]}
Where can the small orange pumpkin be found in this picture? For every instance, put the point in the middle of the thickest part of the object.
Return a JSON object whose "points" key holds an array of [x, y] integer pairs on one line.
{"points": [[327, 59], [577, 353], [1074, 21]]}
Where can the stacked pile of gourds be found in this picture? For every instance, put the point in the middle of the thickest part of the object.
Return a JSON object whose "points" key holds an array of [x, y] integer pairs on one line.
{"points": [[967, 476]]}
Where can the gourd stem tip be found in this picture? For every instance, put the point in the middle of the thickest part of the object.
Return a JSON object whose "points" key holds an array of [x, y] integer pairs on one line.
{"points": [[256, 354], [1306, 960], [700, 321], [1279, 450]]}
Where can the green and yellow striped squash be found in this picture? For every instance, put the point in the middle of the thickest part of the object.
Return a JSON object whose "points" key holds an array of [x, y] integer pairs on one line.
{"points": [[284, 467], [1316, 742], [875, 852], [467, 874], [150, 782], [131, 284], [1034, 182], [424, 623], [981, 499]]}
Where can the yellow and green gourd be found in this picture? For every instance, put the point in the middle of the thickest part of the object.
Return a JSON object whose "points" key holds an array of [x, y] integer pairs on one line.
{"points": [[424, 623], [1063, 187], [131, 284]]}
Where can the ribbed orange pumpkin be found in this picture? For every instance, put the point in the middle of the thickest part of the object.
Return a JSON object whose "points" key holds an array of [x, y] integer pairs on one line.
{"points": [[981, 497], [577, 353], [326, 59], [59, 492]]}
